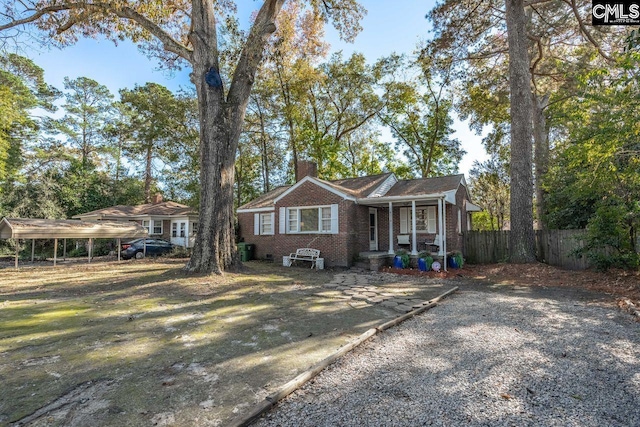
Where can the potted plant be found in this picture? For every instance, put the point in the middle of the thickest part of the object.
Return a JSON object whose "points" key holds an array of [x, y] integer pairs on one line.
{"points": [[456, 260], [401, 259], [424, 261]]}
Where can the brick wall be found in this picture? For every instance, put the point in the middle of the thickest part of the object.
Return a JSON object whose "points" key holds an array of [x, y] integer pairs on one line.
{"points": [[334, 248], [342, 249], [264, 245]]}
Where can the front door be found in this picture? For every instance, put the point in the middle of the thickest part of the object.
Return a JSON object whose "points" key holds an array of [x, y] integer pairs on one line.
{"points": [[373, 229], [179, 233]]}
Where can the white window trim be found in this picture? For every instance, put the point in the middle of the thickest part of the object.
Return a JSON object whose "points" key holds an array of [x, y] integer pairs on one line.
{"points": [[259, 223], [153, 227], [406, 223], [333, 218]]}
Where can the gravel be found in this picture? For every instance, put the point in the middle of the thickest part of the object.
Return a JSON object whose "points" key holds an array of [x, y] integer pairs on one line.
{"points": [[483, 359]]}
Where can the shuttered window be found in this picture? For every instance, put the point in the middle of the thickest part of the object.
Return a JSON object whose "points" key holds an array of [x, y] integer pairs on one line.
{"points": [[425, 220]]}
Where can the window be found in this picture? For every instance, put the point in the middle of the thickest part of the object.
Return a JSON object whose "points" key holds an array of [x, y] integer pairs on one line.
{"points": [[194, 228], [146, 224], [425, 220], [157, 227], [183, 226], [174, 229], [321, 219], [266, 223]]}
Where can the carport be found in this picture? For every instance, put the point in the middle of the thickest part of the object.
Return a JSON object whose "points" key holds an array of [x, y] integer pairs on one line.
{"points": [[27, 228]]}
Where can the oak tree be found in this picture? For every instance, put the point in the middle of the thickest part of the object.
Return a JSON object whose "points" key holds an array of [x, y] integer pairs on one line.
{"points": [[182, 31]]}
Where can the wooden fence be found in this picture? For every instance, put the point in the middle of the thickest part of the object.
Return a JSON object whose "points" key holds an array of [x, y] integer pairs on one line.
{"points": [[554, 247]]}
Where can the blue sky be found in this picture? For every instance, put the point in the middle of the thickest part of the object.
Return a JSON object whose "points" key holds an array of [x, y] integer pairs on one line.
{"points": [[389, 26]]}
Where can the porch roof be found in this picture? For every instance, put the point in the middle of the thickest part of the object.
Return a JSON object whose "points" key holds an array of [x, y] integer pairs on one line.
{"points": [[29, 228]]}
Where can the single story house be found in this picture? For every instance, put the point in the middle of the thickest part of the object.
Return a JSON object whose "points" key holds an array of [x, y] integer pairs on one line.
{"points": [[168, 220], [354, 218]]}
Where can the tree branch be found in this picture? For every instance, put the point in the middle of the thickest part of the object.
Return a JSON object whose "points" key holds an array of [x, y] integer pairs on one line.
{"points": [[585, 31], [168, 42], [251, 55]]}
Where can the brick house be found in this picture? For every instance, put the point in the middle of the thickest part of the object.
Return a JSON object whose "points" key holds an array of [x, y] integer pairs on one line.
{"points": [[167, 220], [355, 218]]}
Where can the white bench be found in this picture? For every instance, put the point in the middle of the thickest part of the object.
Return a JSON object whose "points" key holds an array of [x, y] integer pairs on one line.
{"points": [[303, 254]]}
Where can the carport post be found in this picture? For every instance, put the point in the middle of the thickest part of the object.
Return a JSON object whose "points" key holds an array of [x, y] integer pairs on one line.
{"points": [[55, 251], [17, 250], [119, 249], [33, 249], [90, 249], [144, 246], [64, 249]]}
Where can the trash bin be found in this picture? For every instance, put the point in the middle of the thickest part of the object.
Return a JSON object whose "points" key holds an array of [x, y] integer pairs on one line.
{"points": [[250, 251], [244, 252]]}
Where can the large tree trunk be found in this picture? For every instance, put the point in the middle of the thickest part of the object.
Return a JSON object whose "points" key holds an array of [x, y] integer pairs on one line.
{"points": [[220, 127], [212, 247], [522, 240], [147, 173], [540, 153]]}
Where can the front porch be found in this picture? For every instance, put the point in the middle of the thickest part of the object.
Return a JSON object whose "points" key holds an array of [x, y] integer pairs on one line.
{"points": [[375, 260]]}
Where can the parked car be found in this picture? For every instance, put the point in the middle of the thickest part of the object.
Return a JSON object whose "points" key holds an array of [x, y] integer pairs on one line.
{"points": [[155, 247]]}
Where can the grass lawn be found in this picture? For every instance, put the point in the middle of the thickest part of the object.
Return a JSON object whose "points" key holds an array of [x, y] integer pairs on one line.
{"points": [[139, 343]]}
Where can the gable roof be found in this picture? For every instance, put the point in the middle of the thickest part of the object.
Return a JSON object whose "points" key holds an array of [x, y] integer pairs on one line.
{"points": [[266, 200], [365, 188], [148, 209], [424, 186], [360, 186]]}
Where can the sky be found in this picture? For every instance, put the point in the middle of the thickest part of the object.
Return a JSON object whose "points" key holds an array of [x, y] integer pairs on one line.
{"points": [[389, 26]]}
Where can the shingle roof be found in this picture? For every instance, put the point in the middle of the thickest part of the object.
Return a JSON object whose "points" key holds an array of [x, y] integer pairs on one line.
{"points": [[159, 209], [358, 187], [414, 187], [266, 200], [361, 187]]}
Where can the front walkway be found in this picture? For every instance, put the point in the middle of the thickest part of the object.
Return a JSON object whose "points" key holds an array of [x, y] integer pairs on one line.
{"points": [[357, 288]]}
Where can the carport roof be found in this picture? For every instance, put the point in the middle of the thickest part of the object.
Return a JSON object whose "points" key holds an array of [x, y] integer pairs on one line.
{"points": [[28, 228]]}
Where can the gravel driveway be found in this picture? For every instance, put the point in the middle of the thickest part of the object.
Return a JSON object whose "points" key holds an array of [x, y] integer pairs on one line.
{"points": [[513, 357]]}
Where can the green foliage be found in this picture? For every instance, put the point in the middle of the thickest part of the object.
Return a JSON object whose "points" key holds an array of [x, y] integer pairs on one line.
{"points": [[404, 256], [610, 240], [489, 186], [428, 259], [417, 110], [159, 129], [594, 180], [457, 256]]}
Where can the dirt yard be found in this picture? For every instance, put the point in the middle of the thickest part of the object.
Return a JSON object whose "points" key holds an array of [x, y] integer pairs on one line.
{"points": [[618, 284], [138, 343]]}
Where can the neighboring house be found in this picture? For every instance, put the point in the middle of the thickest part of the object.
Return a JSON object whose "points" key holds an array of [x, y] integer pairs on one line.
{"points": [[167, 220], [348, 219]]}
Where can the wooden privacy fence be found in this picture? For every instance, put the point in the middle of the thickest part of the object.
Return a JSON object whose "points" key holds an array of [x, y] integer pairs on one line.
{"points": [[554, 247]]}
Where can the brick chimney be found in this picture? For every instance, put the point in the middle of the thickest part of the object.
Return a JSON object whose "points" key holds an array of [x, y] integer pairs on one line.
{"points": [[156, 198], [306, 168]]}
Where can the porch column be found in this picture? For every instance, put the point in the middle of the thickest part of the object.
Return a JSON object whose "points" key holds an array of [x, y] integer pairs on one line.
{"points": [[33, 249], [55, 252], [444, 236], [17, 253], [90, 249], [440, 226], [414, 245], [391, 251], [119, 246]]}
